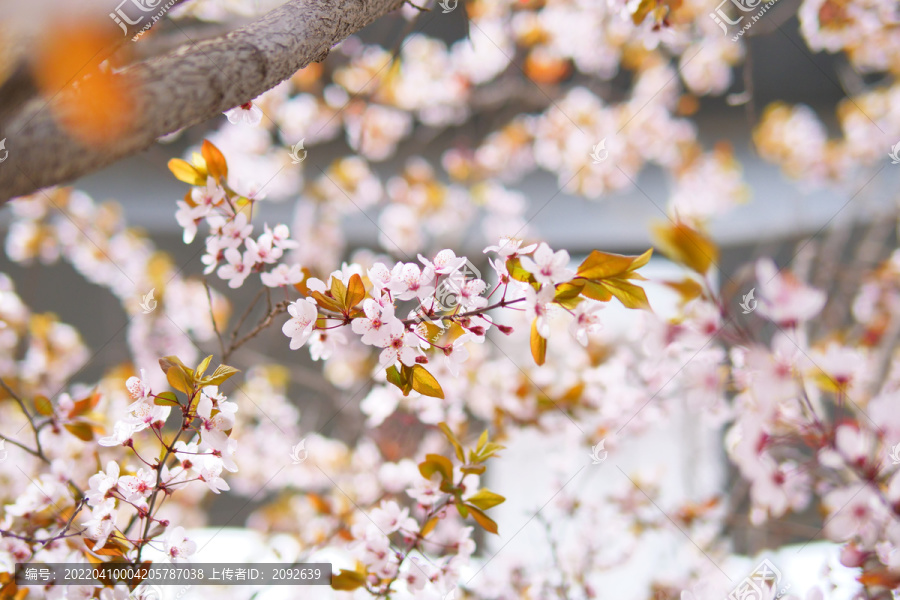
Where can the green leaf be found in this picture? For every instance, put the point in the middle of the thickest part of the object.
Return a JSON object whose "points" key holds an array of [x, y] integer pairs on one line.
{"points": [[168, 362], [482, 440], [82, 431], [518, 272], [395, 377], [166, 399], [482, 519], [43, 405], [339, 292], [425, 383], [489, 450], [180, 380], [222, 374], [485, 499], [457, 447], [538, 345], [435, 463], [596, 291], [473, 470], [201, 368], [630, 295], [463, 509], [347, 580], [601, 265]]}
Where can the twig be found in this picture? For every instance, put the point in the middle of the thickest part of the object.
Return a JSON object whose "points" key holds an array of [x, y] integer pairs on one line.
{"points": [[34, 428], [212, 317]]}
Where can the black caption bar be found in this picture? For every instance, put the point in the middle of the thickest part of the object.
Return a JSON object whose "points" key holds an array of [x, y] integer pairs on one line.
{"points": [[174, 574]]}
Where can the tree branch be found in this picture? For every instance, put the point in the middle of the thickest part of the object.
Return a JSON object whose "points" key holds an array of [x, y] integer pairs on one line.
{"points": [[194, 83]]}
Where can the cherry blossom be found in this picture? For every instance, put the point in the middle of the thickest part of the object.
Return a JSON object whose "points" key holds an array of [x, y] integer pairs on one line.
{"points": [[587, 320], [248, 113], [138, 486], [548, 267], [177, 545], [238, 266], [300, 326], [101, 483], [783, 299], [379, 325]]}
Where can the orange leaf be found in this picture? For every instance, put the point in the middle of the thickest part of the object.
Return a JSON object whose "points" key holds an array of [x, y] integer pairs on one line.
{"points": [[538, 345], [215, 161]]}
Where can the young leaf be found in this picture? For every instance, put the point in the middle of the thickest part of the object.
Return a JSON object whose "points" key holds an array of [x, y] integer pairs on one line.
{"points": [[435, 463], [480, 469], [425, 383], [222, 374], [43, 405], [569, 290], [457, 447], [687, 288], [600, 265], [166, 399], [82, 431], [485, 499], [185, 171], [339, 292], [482, 440], [630, 295], [347, 580], [356, 291], [395, 377], [215, 161], [596, 291], [538, 345], [482, 519], [326, 302], [180, 380], [85, 405], [518, 272], [686, 246], [201, 368], [428, 527], [167, 362]]}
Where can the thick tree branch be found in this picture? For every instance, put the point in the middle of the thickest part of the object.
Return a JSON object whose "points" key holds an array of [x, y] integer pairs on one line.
{"points": [[192, 84]]}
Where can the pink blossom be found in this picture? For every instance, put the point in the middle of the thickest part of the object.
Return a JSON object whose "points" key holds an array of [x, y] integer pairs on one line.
{"points": [[783, 298], [303, 319], [548, 267]]}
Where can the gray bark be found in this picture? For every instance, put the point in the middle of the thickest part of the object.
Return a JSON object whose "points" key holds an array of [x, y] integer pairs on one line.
{"points": [[189, 85]]}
